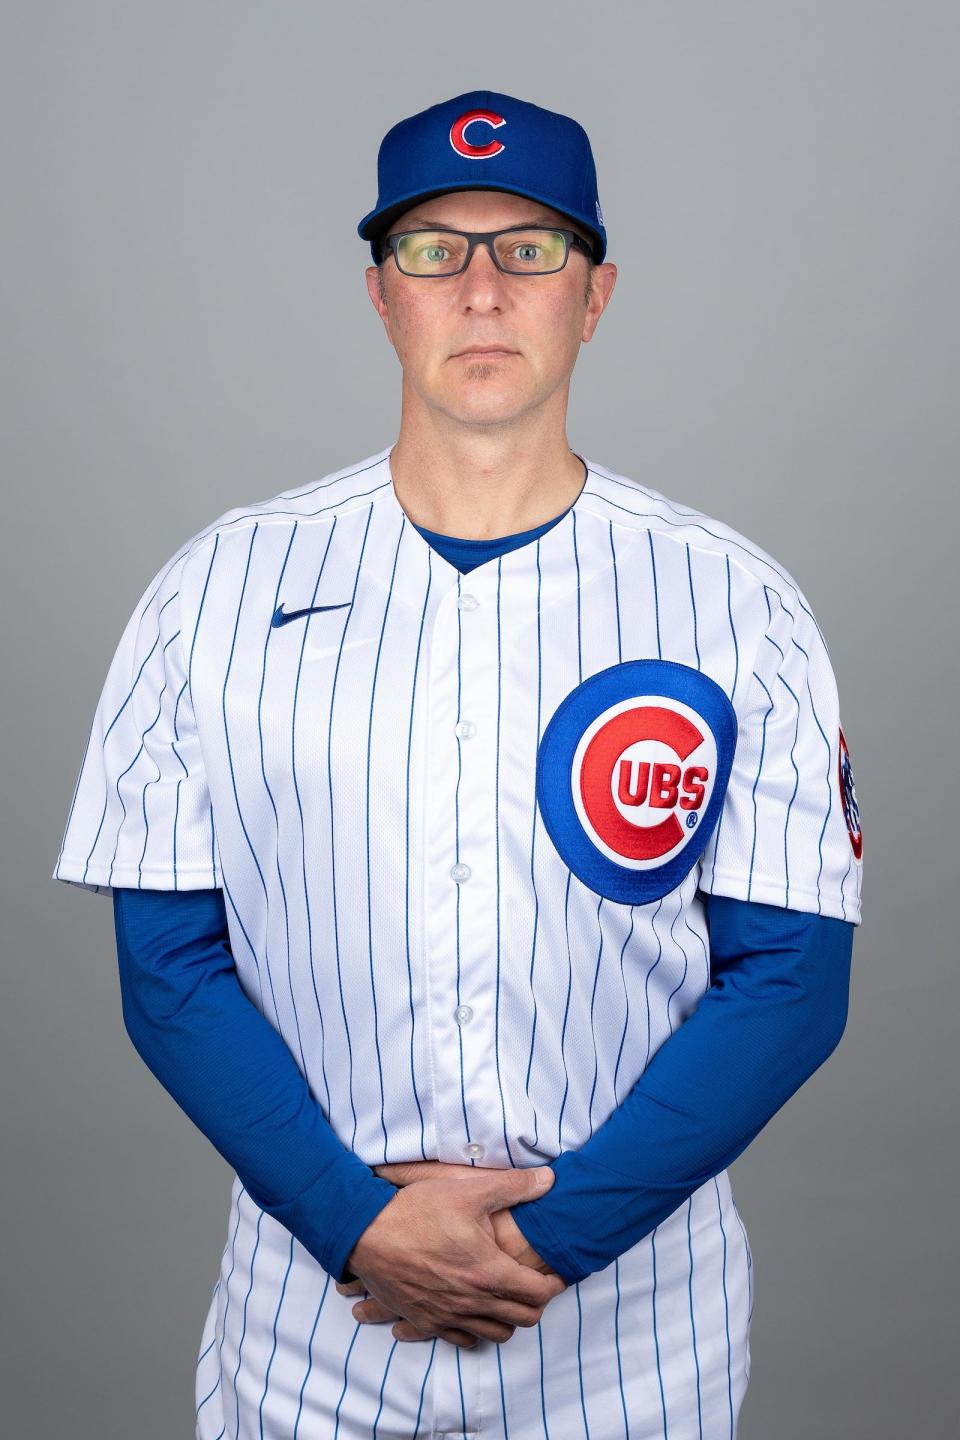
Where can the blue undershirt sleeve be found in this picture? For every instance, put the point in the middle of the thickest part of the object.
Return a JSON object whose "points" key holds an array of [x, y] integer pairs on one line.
{"points": [[228, 1069], [775, 1010]]}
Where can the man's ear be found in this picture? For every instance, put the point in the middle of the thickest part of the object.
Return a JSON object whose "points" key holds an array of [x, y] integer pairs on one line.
{"points": [[374, 279], [375, 289], [602, 280]]}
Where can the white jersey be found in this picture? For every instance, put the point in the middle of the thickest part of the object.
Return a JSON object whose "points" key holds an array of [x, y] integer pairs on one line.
{"points": [[463, 825]]}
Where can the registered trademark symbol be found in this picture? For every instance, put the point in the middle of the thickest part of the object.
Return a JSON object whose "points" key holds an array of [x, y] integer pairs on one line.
{"points": [[691, 820]]}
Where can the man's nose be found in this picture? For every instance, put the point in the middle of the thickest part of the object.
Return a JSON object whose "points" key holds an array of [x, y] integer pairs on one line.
{"points": [[483, 284]]}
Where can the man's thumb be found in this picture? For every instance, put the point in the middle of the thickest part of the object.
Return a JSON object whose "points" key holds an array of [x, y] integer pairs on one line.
{"points": [[515, 1185]]}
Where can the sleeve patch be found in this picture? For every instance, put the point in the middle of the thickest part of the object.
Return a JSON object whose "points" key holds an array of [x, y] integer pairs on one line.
{"points": [[848, 797]]}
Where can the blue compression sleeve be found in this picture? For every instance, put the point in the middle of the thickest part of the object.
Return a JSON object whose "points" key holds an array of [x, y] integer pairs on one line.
{"points": [[233, 1074], [775, 1010], [780, 976]]}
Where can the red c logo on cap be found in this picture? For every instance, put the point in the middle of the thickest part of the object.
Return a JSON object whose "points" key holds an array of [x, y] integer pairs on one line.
{"points": [[476, 152]]}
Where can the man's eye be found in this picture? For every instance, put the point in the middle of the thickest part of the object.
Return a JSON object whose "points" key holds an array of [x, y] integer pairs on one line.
{"points": [[434, 252], [528, 251]]}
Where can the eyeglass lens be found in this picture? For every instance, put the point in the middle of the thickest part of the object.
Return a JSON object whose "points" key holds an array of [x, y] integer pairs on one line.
{"points": [[441, 252]]}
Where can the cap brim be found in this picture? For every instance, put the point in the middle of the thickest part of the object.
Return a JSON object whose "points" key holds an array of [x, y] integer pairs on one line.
{"points": [[376, 222]]}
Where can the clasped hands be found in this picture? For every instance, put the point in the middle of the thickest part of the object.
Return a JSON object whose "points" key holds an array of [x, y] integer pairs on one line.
{"points": [[444, 1257]]}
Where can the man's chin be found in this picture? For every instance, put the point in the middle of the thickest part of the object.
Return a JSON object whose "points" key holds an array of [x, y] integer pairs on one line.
{"points": [[485, 409]]}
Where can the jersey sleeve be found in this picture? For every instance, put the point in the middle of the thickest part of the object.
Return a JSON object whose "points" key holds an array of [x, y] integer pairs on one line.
{"points": [[141, 813], [789, 830]]}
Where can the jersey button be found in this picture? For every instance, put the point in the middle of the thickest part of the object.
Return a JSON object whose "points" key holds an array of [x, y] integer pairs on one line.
{"points": [[463, 1014], [466, 729], [467, 602], [460, 872], [474, 1150]]}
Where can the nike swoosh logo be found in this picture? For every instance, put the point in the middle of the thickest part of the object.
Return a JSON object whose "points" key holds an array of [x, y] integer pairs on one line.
{"points": [[283, 617]]}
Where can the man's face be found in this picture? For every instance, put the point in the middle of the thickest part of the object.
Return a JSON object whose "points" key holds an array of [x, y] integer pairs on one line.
{"points": [[538, 321]]}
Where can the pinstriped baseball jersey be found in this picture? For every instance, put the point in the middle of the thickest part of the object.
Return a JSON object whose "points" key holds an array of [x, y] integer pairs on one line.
{"points": [[462, 824]]}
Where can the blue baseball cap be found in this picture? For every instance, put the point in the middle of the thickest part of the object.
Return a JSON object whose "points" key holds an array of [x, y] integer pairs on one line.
{"points": [[483, 140]]}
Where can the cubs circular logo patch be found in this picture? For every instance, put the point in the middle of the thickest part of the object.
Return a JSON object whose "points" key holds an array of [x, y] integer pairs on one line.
{"points": [[631, 773], [848, 799]]}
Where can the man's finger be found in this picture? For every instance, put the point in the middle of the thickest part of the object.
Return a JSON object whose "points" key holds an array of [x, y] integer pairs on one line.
{"points": [[405, 1330], [408, 1172], [371, 1312], [517, 1286], [353, 1287]]}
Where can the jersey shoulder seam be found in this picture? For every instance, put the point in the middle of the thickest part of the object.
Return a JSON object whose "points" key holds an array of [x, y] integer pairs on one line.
{"points": [[271, 510], [725, 535]]}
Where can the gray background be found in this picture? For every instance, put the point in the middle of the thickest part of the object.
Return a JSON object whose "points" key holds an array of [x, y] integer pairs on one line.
{"points": [[185, 328]]}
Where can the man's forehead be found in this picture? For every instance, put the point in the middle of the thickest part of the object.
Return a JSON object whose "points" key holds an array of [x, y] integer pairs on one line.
{"points": [[459, 206]]}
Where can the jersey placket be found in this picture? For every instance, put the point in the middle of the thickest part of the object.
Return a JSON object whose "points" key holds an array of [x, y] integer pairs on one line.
{"points": [[460, 871], [461, 917]]}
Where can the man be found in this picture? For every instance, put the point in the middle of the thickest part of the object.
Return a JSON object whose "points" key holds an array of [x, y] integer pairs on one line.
{"points": [[485, 859]]}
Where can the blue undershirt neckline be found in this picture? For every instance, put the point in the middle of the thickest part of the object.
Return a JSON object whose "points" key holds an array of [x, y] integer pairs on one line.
{"points": [[465, 554]]}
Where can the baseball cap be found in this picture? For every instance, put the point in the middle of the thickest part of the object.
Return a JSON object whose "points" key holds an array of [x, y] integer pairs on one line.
{"points": [[484, 140]]}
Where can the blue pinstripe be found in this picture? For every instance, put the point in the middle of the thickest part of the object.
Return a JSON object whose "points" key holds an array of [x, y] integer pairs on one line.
{"points": [[753, 793], [746, 1249], [543, 1393], [113, 722], [583, 1403], [686, 964], [266, 1378], [496, 851], [303, 830], [656, 597], [733, 691], [373, 691], [463, 1408], [796, 786], [323, 1297], [646, 983], [426, 1373], [617, 1350], [383, 1386], [593, 1033], [626, 996], [243, 1333], [406, 840], [273, 804], [186, 686], [533, 842], [333, 847], [226, 1308], [693, 1322], [147, 783], [656, 1336], [346, 1362], [233, 775], [726, 1305], [566, 901], [456, 807], [693, 606]]}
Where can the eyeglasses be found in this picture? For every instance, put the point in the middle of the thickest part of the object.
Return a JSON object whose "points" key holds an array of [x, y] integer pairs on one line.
{"points": [[518, 250]]}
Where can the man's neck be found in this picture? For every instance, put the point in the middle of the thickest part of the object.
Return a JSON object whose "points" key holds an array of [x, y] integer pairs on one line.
{"points": [[480, 489]]}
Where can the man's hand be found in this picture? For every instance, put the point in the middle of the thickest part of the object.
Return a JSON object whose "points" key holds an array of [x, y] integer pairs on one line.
{"points": [[453, 1301]]}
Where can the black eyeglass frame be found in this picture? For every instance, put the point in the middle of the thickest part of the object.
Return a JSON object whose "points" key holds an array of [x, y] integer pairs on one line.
{"points": [[571, 240]]}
